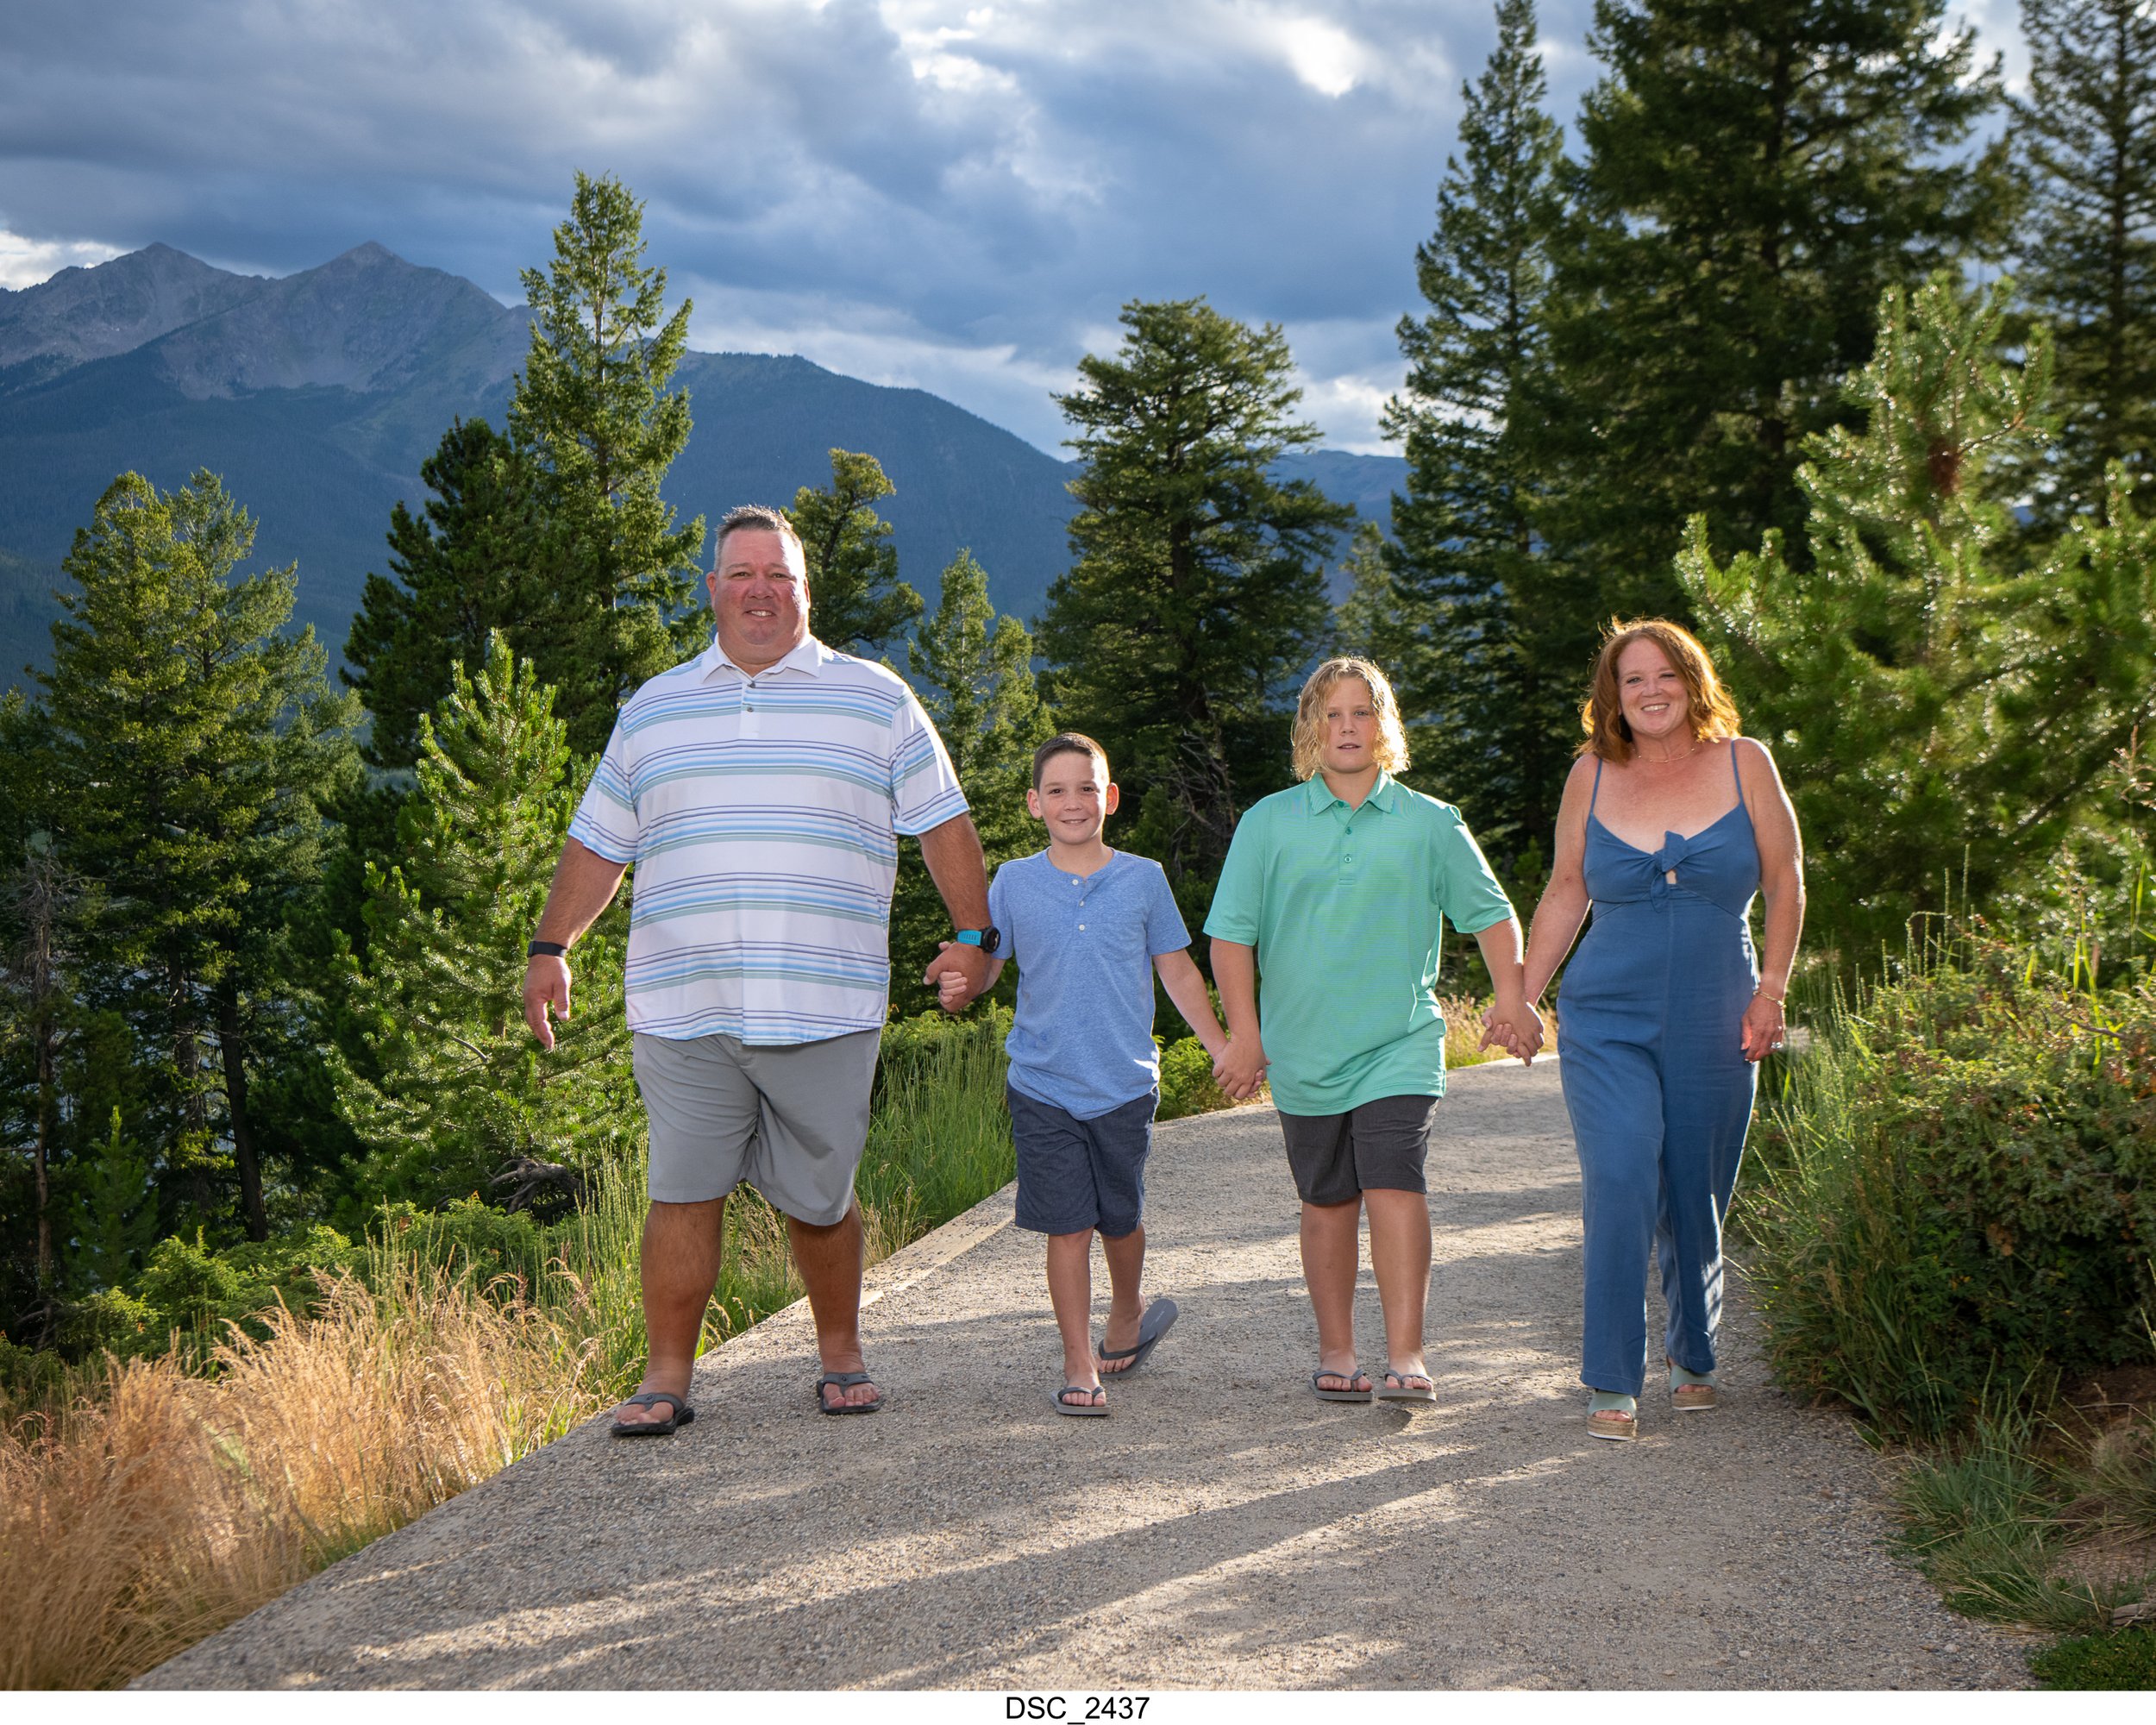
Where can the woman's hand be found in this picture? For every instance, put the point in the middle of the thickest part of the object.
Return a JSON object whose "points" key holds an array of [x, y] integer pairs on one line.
{"points": [[1518, 1031], [1764, 1027]]}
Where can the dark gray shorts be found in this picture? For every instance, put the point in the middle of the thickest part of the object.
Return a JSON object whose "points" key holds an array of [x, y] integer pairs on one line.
{"points": [[792, 1121], [1075, 1175], [1378, 1145]]}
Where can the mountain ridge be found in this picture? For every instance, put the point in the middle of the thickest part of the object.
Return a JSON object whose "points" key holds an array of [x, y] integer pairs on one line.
{"points": [[317, 396]]}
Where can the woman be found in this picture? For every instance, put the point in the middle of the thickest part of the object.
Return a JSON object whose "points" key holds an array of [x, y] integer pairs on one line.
{"points": [[1671, 821]]}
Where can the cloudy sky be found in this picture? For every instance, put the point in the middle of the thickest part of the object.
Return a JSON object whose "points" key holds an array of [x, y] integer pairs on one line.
{"points": [[918, 192]]}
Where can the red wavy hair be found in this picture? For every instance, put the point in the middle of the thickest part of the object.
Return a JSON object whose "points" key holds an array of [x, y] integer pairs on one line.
{"points": [[1602, 714]]}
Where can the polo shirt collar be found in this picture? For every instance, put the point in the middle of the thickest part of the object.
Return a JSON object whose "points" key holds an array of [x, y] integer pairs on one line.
{"points": [[808, 659], [1317, 795]]}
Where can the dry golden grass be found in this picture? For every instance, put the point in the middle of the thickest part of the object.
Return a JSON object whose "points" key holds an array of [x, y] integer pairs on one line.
{"points": [[155, 1508], [1464, 1032]]}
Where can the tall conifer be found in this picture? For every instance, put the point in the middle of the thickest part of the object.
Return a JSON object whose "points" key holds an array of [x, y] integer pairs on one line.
{"points": [[1198, 586], [2085, 143], [458, 1092], [1478, 590], [856, 601], [463, 567], [595, 409], [1941, 715], [195, 744], [1757, 172]]}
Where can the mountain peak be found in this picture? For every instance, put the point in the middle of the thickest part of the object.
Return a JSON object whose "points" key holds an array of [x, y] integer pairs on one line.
{"points": [[112, 307]]}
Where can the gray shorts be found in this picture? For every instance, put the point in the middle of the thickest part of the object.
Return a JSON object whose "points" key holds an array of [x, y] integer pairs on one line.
{"points": [[1378, 1145], [791, 1121], [1075, 1175]]}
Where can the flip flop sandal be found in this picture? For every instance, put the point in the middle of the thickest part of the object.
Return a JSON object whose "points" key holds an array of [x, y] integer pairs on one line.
{"points": [[1078, 1410], [1160, 1317], [845, 1380], [683, 1414], [1325, 1394], [1428, 1393]]}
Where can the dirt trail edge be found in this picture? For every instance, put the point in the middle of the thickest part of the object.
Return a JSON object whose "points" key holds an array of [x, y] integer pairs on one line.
{"points": [[1223, 1529]]}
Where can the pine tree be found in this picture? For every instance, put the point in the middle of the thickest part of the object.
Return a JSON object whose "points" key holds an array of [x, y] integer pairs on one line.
{"points": [[1492, 637], [858, 603], [1757, 172], [195, 743], [116, 1221], [2085, 140], [459, 570], [458, 1093], [1939, 715], [973, 671], [1368, 622], [1198, 587], [594, 411], [45, 904]]}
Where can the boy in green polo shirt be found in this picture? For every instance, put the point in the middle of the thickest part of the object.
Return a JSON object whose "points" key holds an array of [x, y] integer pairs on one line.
{"points": [[1338, 890]]}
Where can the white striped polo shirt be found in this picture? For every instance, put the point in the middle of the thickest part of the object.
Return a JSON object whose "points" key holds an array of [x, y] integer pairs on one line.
{"points": [[762, 814]]}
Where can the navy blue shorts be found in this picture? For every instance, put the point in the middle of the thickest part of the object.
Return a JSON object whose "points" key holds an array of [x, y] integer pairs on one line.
{"points": [[1075, 1175]]}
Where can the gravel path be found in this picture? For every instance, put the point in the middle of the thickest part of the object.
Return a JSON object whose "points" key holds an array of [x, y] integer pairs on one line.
{"points": [[1223, 1529]]}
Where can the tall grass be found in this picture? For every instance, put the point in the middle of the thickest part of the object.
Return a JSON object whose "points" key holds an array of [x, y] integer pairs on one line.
{"points": [[145, 1502], [152, 1506]]}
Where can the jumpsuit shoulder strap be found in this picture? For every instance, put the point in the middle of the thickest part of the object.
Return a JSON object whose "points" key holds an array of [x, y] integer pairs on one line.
{"points": [[1736, 774], [1596, 794]]}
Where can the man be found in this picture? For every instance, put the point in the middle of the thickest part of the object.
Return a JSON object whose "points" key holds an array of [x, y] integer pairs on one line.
{"points": [[1339, 890], [759, 789]]}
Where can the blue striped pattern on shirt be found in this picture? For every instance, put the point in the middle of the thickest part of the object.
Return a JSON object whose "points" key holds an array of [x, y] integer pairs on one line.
{"points": [[763, 816]]}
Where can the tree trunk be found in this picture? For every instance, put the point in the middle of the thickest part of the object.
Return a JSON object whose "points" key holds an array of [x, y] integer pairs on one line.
{"points": [[230, 1047]]}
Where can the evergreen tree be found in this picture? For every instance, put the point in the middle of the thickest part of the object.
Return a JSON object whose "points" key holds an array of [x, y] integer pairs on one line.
{"points": [[973, 671], [593, 411], [1368, 622], [459, 570], [456, 1093], [1939, 716], [1490, 642], [858, 603], [115, 1218], [1198, 587], [195, 743], [1757, 172], [2086, 147]]}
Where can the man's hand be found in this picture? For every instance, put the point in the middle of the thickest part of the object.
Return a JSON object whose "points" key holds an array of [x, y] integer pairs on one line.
{"points": [[1239, 1068], [972, 967], [546, 984]]}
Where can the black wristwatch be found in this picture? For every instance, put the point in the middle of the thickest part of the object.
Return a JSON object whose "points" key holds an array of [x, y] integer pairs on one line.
{"points": [[987, 939], [545, 948]]}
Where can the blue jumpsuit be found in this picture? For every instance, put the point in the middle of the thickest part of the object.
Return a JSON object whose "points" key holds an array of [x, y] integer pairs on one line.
{"points": [[1650, 1032]]}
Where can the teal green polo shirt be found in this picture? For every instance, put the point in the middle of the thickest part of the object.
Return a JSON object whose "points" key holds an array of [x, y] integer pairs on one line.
{"points": [[1345, 908]]}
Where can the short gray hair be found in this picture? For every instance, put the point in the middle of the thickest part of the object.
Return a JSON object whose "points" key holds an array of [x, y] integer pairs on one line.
{"points": [[753, 518]]}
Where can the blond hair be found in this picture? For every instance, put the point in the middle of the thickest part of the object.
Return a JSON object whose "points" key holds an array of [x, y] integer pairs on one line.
{"points": [[1309, 734], [1713, 714]]}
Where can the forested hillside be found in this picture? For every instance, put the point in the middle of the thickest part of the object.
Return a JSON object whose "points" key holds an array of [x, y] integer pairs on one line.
{"points": [[326, 390]]}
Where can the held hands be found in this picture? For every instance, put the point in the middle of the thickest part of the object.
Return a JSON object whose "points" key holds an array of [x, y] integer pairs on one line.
{"points": [[1515, 1027], [1764, 1027], [1239, 1067], [958, 973], [546, 984]]}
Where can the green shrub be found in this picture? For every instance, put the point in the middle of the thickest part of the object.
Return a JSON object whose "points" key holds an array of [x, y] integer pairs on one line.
{"points": [[1186, 1082], [2124, 1660], [1956, 1195], [113, 1321]]}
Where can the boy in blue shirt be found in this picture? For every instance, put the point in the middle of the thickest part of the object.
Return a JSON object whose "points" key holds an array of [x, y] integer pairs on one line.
{"points": [[1088, 927]]}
